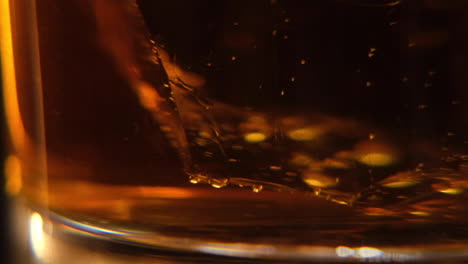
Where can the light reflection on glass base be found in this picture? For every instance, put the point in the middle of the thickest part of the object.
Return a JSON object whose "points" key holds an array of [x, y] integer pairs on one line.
{"points": [[54, 240]]}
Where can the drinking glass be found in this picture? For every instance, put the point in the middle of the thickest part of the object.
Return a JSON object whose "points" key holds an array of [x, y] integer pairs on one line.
{"points": [[238, 131]]}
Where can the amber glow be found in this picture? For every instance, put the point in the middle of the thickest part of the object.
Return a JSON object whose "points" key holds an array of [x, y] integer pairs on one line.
{"points": [[301, 160], [29, 154], [166, 192], [452, 191], [375, 154], [255, 137], [304, 134], [401, 180], [13, 116], [319, 180], [376, 159], [420, 213], [13, 173], [256, 129], [149, 98], [376, 211]]}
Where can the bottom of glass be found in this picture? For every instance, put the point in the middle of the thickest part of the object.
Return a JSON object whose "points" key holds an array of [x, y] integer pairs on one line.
{"points": [[272, 252], [57, 239]]}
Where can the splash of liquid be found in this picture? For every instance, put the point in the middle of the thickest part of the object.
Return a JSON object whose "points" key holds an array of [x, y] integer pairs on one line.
{"points": [[124, 37], [222, 145]]}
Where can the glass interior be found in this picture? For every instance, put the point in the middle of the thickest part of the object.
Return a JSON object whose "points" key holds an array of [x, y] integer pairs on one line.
{"points": [[295, 129]]}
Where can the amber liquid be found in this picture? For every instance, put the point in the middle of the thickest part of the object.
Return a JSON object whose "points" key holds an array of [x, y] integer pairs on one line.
{"points": [[264, 128]]}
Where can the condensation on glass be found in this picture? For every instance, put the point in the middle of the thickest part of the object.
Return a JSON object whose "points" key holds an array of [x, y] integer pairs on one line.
{"points": [[332, 129]]}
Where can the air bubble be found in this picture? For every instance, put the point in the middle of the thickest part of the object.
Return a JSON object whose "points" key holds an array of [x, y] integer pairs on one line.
{"points": [[218, 183], [256, 188], [194, 180], [197, 178]]}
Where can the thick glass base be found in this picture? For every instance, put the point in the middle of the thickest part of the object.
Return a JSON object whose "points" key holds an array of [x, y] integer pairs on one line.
{"points": [[54, 239]]}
